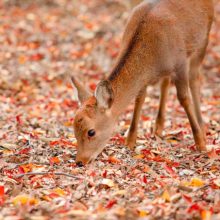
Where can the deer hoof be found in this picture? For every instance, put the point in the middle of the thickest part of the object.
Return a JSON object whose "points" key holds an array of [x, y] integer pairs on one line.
{"points": [[130, 144], [158, 131]]}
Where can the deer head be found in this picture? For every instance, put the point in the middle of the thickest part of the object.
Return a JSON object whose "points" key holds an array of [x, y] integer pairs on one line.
{"points": [[94, 122]]}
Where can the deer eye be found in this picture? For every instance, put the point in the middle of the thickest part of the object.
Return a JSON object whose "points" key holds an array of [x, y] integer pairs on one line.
{"points": [[91, 133]]}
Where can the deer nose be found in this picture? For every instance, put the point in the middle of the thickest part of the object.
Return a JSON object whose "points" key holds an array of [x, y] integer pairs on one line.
{"points": [[79, 164]]}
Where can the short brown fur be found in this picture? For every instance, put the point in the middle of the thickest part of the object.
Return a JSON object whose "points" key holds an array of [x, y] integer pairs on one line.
{"points": [[163, 41]]}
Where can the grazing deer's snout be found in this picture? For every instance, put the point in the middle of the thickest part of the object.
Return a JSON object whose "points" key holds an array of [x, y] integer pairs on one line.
{"points": [[81, 160], [79, 164]]}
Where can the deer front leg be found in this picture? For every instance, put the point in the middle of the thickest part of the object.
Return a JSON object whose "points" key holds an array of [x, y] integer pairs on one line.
{"points": [[132, 134], [159, 125]]}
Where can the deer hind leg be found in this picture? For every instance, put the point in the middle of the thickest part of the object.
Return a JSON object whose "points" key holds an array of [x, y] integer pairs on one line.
{"points": [[159, 125], [195, 84], [132, 134], [184, 96]]}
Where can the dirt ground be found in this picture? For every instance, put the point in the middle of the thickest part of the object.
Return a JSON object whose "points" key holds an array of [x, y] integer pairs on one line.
{"points": [[42, 41]]}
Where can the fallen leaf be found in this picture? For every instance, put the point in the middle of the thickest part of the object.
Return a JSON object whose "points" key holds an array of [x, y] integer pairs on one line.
{"points": [[108, 182], [206, 215], [24, 200], [166, 196]]}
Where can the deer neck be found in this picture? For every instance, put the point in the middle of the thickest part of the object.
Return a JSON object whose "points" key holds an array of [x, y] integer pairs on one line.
{"points": [[126, 80], [134, 70]]}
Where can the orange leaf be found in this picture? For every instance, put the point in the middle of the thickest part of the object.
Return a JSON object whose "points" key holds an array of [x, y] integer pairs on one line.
{"points": [[206, 215], [60, 191], [24, 200], [114, 160], [139, 156], [22, 59], [26, 168], [196, 182], [166, 196], [54, 160], [143, 213]]}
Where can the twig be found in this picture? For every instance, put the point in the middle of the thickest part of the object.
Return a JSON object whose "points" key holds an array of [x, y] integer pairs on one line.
{"points": [[37, 164], [47, 173], [202, 187], [47, 140], [7, 146], [188, 189], [185, 188]]}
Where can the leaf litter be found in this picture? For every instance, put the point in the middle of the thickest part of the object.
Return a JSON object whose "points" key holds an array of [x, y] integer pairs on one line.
{"points": [[165, 178]]}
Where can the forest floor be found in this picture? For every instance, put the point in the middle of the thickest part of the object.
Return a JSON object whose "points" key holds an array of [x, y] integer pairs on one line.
{"points": [[165, 178]]}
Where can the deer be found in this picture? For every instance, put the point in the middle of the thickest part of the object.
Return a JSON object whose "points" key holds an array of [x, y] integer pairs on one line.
{"points": [[164, 42]]}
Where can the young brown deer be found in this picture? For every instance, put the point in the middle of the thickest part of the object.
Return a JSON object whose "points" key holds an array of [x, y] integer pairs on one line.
{"points": [[164, 40]]}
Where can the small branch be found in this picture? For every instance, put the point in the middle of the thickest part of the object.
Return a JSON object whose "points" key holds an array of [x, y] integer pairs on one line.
{"points": [[202, 187], [185, 188], [37, 163], [189, 189], [47, 173]]}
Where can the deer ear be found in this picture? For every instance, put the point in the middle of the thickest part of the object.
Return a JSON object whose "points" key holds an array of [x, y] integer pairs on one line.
{"points": [[83, 94], [104, 94]]}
